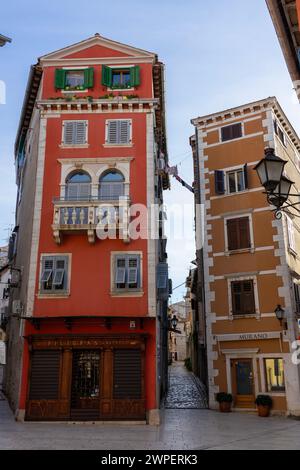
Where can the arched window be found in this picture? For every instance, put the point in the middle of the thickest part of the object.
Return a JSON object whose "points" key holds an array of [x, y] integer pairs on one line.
{"points": [[111, 185], [78, 186]]}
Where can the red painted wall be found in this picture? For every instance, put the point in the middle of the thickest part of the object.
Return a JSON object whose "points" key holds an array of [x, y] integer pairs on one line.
{"points": [[90, 273], [298, 10]]}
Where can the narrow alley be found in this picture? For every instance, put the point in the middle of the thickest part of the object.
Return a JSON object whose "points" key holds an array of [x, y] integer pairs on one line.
{"points": [[185, 389]]}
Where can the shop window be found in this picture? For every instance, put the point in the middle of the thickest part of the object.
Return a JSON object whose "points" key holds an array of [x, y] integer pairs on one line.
{"points": [[274, 375]]}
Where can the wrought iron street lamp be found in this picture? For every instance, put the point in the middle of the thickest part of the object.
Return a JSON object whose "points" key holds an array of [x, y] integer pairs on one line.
{"points": [[280, 313], [270, 172], [174, 321]]}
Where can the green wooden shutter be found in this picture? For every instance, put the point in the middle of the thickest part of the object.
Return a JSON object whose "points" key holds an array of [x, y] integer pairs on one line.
{"points": [[60, 79], [135, 76], [106, 76], [89, 77]]}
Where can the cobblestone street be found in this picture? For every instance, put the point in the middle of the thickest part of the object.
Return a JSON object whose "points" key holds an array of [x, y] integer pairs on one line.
{"points": [[180, 430], [185, 390]]}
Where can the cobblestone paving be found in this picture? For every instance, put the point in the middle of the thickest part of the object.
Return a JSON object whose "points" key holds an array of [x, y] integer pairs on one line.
{"points": [[185, 390]]}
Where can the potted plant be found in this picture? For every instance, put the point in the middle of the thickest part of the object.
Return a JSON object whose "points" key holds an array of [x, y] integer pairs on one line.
{"points": [[224, 400], [264, 404]]}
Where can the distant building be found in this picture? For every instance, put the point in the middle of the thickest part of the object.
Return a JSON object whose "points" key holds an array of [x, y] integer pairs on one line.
{"points": [[178, 341], [3, 255], [4, 303], [285, 15], [4, 40]]}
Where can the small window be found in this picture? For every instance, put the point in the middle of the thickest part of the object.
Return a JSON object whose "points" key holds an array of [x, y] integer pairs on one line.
{"points": [[235, 181], [118, 132], [231, 132], [54, 274], [74, 79], [238, 233], [297, 296], [243, 302], [111, 186], [121, 78], [274, 375], [127, 272], [280, 133], [74, 132]]}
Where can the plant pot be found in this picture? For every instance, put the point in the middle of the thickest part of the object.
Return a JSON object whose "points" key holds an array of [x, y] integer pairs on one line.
{"points": [[263, 411], [225, 406]]}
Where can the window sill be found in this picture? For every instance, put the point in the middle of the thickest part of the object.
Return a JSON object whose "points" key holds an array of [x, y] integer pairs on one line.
{"points": [[245, 316], [239, 251], [62, 295], [74, 146], [74, 91], [127, 293], [120, 89], [117, 145]]}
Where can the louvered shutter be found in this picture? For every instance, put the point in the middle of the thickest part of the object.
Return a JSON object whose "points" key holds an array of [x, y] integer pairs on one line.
{"points": [[112, 132], [232, 234], [127, 374], [89, 77], [44, 377], [132, 271], [245, 169], [135, 76], [60, 272], [162, 276], [47, 270], [68, 132], [219, 182], [75, 132], [60, 79], [124, 132], [120, 270], [248, 303], [236, 293], [231, 132], [106, 76], [291, 234], [244, 233], [79, 136]]}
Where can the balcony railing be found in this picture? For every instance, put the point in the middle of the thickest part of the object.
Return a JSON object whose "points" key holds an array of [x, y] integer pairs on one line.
{"points": [[93, 216]]}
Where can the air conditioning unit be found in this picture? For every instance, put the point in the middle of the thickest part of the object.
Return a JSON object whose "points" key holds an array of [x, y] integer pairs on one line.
{"points": [[17, 307]]}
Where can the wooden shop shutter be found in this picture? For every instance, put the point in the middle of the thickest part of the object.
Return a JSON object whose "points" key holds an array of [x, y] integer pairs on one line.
{"points": [[44, 379], [127, 374]]}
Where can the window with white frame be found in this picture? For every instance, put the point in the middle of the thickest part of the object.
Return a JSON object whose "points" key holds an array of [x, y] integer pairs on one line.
{"points": [[291, 234], [127, 272], [54, 274], [118, 132], [75, 132], [235, 181]]}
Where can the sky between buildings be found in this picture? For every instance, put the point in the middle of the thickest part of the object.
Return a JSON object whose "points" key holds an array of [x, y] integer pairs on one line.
{"points": [[217, 54]]}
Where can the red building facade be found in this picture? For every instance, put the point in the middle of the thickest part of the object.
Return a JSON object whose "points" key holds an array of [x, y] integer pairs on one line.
{"points": [[88, 324]]}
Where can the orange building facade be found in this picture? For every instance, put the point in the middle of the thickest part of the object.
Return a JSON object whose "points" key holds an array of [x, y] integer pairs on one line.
{"points": [[86, 336], [250, 259]]}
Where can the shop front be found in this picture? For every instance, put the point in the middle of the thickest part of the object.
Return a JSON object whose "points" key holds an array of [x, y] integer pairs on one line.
{"points": [[86, 378]]}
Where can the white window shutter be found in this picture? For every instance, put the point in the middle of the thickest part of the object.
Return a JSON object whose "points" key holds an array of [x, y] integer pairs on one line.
{"points": [[58, 277], [124, 132], [68, 132], [132, 275], [291, 234], [120, 275], [80, 132], [112, 137]]}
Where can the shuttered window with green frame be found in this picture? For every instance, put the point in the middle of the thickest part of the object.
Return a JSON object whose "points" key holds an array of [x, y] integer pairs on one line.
{"points": [[61, 78], [108, 72]]}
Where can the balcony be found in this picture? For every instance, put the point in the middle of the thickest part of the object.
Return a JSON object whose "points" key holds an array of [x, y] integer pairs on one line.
{"points": [[102, 218]]}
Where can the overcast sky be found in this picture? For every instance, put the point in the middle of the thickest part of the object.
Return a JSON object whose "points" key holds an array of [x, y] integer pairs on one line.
{"points": [[218, 55]]}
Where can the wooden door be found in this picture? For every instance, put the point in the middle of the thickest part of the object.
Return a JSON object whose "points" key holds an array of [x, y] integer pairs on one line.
{"points": [[242, 383], [85, 391]]}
